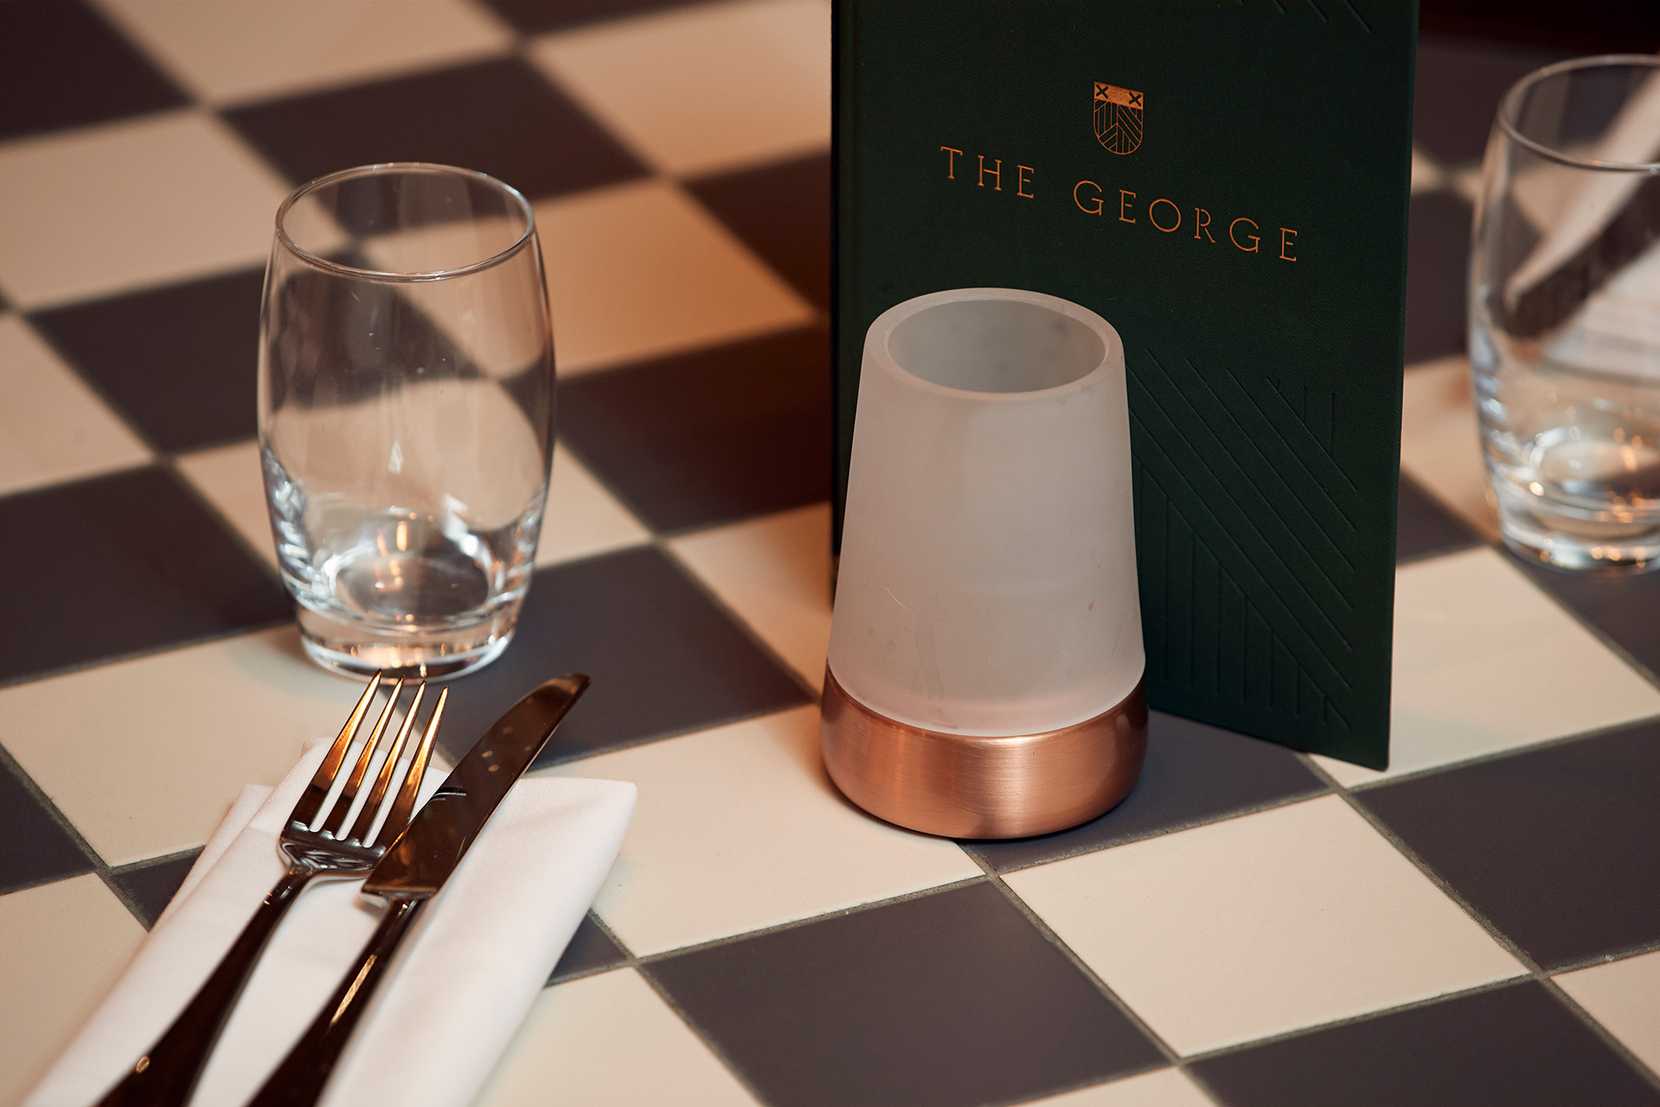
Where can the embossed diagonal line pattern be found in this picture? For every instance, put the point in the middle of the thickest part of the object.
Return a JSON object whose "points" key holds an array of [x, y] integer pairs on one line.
{"points": [[1249, 509], [1322, 441], [1246, 660], [1316, 636], [1283, 429], [1360, 19], [1275, 477]]}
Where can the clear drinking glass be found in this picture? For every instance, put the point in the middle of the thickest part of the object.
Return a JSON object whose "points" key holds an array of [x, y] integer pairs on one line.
{"points": [[1565, 313], [406, 414]]}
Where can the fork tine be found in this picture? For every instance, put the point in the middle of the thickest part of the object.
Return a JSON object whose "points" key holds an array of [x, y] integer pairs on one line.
{"points": [[403, 807], [383, 779], [311, 800], [343, 805]]}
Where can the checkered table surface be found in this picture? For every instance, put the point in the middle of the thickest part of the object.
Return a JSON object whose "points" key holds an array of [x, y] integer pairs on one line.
{"points": [[1479, 924]]}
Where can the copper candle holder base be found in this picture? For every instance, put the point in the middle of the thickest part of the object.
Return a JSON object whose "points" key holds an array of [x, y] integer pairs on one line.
{"points": [[961, 786]]}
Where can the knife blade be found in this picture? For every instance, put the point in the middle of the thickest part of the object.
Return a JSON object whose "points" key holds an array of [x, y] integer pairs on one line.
{"points": [[432, 845], [414, 868]]}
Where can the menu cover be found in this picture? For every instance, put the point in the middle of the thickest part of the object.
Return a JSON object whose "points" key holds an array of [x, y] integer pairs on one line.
{"points": [[1226, 182]]}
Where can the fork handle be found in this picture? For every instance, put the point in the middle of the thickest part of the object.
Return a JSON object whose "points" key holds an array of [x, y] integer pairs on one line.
{"points": [[167, 1073], [300, 1078]]}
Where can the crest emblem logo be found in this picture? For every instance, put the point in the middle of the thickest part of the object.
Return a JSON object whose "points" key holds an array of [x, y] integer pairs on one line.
{"points": [[1119, 117]]}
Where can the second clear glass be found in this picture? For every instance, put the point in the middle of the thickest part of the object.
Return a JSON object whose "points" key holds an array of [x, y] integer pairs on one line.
{"points": [[1565, 314], [406, 414]]}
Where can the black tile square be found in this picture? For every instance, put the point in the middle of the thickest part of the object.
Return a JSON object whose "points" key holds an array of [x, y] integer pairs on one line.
{"points": [[1625, 609], [63, 65], [534, 16], [1424, 527], [783, 213], [1515, 1045], [500, 116], [179, 362], [662, 656], [34, 847], [1437, 260], [946, 1000], [710, 436], [1556, 846], [1459, 84], [1194, 773], [116, 564], [590, 949], [152, 884]]}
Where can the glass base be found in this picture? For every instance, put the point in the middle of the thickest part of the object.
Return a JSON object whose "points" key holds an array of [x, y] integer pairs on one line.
{"points": [[1564, 539], [355, 650]]}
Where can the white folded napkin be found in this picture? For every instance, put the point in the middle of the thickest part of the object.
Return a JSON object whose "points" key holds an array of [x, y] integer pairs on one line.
{"points": [[463, 982]]}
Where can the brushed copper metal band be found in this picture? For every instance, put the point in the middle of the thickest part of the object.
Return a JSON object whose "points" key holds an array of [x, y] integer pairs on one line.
{"points": [[962, 786]]}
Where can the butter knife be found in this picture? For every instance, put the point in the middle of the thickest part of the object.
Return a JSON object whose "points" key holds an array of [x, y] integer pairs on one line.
{"points": [[414, 868]]}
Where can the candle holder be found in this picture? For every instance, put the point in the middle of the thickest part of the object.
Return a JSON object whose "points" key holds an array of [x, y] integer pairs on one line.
{"points": [[985, 675]]}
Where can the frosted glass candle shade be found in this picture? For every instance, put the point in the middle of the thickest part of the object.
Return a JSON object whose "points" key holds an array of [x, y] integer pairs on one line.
{"points": [[987, 583]]}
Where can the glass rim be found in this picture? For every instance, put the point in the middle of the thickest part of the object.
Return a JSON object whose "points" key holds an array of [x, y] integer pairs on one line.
{"points": [[424, 168], [1512, 99]]}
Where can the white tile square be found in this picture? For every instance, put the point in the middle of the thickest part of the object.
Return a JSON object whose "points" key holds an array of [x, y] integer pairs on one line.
{"points": [[775, 573], [56, 429], [66, 944], [1261, 924], [1160, 1088], [709, 87], [157, 198], [227, 50], [738, 828], [145, 756], [1440, 448], [640, 269], [583, 519], [1625, 997], [229, 478], [1484, 662], [608, 1039]]}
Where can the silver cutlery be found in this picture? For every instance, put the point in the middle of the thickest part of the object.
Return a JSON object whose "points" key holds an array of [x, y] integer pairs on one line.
{"points": [[413, 870], [169, 1070]]}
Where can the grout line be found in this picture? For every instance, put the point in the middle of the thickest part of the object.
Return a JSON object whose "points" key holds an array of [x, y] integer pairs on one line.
{"points": [[98, 865], [170, 462], [1351, 1020], [578, 757], [1171, 1057], [1589, 625], [660, 541], [707, 1041], [813, 694], [172, 646], [1475, 542], [797, 924], [1026, 1099], [631, 963], [1497, 755], [1611, 957], [1320, 788], [159, 859], [137, 285], [1531, 967]]}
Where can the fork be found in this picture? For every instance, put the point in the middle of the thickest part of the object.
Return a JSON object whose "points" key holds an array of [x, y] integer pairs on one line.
{"points": [[169, 1070]]}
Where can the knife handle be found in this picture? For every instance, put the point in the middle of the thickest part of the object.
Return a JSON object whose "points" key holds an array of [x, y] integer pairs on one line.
{"points": [[299, 1080], [167, 1073]]}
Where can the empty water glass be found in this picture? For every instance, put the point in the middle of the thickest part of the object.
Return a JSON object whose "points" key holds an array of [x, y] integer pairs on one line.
{"points": [[406, 414], [1565, 313]]}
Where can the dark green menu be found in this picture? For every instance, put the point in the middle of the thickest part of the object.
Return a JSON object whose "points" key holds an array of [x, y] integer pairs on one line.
{"points": [[1226, 182]]}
